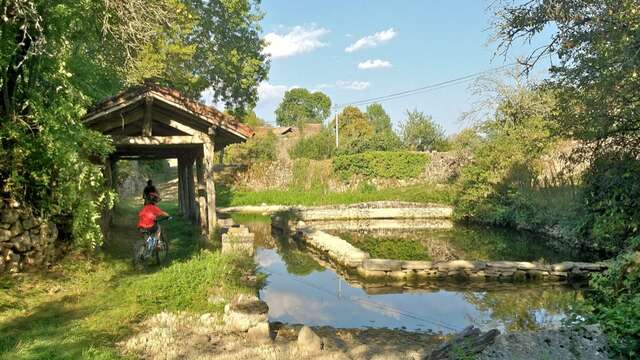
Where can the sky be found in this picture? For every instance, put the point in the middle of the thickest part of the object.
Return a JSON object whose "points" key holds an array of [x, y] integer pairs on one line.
{"points": [[356, 49]]}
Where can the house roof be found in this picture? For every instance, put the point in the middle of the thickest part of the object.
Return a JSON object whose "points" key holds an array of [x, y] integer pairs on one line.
{"points": [[202, 116]]}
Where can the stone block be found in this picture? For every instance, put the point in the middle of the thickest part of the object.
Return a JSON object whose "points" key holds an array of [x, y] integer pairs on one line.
{"points": [[397, 275], [5, 235], [587, 266], [245, 312], [5, 226], [28, 223], [22, 242], [382, 264], [259, 334], [519, 275], [456, 265], [308, 341], [9, 216], [371, 274], [503, 264], [426, 273], [16, 229], [416, 265], [563, 266]]}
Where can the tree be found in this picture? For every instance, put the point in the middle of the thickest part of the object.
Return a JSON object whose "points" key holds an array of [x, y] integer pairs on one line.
{"points": [[59, 56], [353, 126], [299, 106], [421, 133], [598, 73], [378, 118]]}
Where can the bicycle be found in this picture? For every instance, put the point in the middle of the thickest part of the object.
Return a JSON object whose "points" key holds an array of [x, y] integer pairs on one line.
{"points": [[151, 248]]}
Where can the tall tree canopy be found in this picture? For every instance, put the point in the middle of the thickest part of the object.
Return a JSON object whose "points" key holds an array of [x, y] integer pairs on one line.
{"points": [[378, 117], [59, 56], [598, 72], [301, 106], [421, 133]]}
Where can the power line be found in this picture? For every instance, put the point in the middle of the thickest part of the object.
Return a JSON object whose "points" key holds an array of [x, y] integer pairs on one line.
{"points": [[373, 304], [423, 89]]}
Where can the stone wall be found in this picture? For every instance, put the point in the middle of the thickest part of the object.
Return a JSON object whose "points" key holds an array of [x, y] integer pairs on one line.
{"points": [[342, 254], [26, 241]]}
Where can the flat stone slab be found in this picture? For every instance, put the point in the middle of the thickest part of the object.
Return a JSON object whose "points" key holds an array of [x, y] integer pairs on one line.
{"points": [[382, 264]]}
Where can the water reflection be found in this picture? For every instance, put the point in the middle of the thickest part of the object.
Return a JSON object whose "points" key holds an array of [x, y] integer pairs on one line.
{"points": [[300, 289], [324, 298]]}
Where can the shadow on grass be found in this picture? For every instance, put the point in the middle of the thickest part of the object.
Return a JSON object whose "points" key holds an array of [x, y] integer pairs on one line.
{"points": [[50, 332]]}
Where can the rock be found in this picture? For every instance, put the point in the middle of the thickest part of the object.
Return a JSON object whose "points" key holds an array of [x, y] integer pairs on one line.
{"points": [[586, 344], [5, 226], [5, 235], [28, 224], [259, 334], [382, 264], [16, 229], [416, 265], [461, 265], [309, 341], [503, 264], [245, 312], [563, 266], [22, 242], [9, 216]]}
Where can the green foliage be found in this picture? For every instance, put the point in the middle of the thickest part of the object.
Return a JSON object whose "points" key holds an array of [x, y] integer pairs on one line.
{"points": [[310, 175], [317, 147], [252, 120], [101, 301], [597, 102], [383, 164], [299, 106], [388, 248], [611, 202], [496, 185], [426, 193], [614, 302], [257, 148], [353, 125], [385, 140], [421, 133], [378, 118]]}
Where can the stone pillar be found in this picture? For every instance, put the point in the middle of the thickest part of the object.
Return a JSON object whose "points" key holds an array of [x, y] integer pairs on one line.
{"points": [[208, 162]]}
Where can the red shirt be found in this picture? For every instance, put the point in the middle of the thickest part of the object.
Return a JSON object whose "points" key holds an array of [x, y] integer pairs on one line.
{"points": [[148, 216]]}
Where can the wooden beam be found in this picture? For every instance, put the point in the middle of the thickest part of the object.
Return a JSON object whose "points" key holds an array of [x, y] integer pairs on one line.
{"points": [[117, 120], [158, 140], [167, 120], [191, 200], [181, 182], [113, 109], [146, 125]]}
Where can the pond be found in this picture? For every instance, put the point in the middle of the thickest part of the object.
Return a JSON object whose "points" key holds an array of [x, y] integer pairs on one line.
{"points": [[300, 289], [460, 241]]}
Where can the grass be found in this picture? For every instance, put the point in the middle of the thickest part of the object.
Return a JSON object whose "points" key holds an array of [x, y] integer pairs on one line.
{"points": [[388, 248], [428, 193], [86, 304]]}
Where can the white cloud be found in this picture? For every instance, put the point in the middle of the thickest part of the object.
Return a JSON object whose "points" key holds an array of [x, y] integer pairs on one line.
{"points": [[374, 64], [353, 85], [299, 40], [267, 91], [372, 40]]}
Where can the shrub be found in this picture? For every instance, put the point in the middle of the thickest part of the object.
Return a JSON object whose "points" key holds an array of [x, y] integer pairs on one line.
{"points": [[385, 140], [258, 148], [611, 202], [317, 147], [383, 164], [421, 133], [614, 302]]}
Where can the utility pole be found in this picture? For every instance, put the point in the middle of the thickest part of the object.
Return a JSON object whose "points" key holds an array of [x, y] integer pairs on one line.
{"points": [[337, 126]]}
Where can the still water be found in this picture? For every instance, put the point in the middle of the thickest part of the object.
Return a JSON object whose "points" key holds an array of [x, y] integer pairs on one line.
{"points": [[300, 289]]}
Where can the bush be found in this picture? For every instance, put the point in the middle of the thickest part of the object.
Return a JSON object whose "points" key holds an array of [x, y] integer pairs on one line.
{"points": [[614, 302], [258, 148], [385, 140], [383, 164], [611, 202], [317, 147]]}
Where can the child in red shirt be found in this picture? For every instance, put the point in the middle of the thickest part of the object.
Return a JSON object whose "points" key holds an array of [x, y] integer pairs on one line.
{"points": [[149, 214]]}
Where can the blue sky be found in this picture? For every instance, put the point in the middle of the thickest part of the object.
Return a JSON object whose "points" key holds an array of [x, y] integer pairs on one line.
{"points": [[356, 49]]}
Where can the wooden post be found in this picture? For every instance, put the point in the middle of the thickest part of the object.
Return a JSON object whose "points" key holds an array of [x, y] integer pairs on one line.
{"points": [[181, 182], [201, 194], [208, 162], [191, 195]]}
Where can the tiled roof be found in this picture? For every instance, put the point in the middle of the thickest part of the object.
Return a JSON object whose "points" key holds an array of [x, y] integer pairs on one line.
{"points": [[207, 113]]}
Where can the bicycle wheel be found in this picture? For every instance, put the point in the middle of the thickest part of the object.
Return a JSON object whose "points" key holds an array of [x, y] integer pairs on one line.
{"points": [[162, 250], [140, 255]]}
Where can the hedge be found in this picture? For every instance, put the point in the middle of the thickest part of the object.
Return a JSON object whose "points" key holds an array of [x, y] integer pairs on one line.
{"points": [[381, 164]]}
